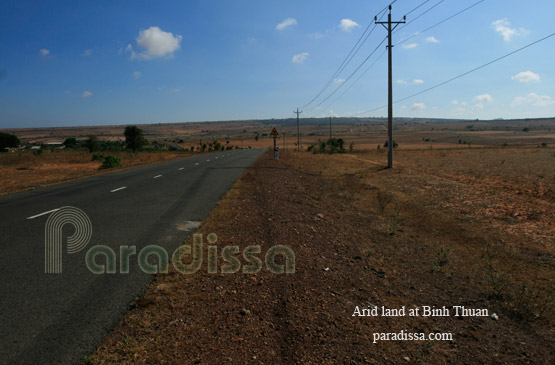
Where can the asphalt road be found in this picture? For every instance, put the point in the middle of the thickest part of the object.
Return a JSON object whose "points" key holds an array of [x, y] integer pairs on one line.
{"points": [[60, 318]]}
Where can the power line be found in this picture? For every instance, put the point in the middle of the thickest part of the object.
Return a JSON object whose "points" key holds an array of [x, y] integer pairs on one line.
{"points": [[417, 7], [350, 55], [441, 22], [422, 14], [380, 56], [358, 79], [461, 75], [348, 78], [345, 62]]}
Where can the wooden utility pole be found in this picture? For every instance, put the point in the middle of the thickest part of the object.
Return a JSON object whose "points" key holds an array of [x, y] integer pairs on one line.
{"points": [[298, 131], [389, 29]]}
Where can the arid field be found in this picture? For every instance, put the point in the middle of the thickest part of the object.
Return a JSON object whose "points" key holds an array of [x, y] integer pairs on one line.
{"points": [[465, 218], [470, 227]]}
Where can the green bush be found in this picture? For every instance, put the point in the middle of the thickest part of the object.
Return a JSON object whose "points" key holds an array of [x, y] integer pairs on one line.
{"points": [[97, 157], [109, 162], [8, 141]]}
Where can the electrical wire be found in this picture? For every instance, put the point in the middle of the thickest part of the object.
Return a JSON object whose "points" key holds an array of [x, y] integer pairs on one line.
{"points": [[348, 78], [417, 7], [354, 82], [441, 22], [345, 62], [350, 55], [461, 75], [420, 15]]}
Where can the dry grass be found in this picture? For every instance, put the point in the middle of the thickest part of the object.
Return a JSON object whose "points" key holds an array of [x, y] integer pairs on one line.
{"points": [[24, 171], [488, 213], [362, 234]]}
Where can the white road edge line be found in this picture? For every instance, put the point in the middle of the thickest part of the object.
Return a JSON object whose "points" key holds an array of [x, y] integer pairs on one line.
{"points": [[181, 168], [38, 215], [113, 191], [196, 164], [157, 176], [207, 160]]}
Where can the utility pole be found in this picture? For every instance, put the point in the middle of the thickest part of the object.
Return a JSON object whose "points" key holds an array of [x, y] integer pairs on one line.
{"points": [[298, 131], [389, 29], [284, 148], [331, 145]]}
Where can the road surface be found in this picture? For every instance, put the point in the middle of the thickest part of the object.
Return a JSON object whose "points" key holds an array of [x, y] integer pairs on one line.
{"points": [[60, 318]]}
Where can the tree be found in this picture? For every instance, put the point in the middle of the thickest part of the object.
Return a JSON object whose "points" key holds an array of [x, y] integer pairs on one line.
{"points": [[134, 138], [386, 144], [8, 141], [70, 142], [92, 143]]}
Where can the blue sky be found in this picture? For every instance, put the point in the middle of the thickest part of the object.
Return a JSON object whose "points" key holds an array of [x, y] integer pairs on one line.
{"points": [[68, 63]]}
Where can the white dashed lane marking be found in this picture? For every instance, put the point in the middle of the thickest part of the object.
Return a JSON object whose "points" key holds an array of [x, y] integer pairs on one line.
{"points": [[43, 213], [113, 191]]}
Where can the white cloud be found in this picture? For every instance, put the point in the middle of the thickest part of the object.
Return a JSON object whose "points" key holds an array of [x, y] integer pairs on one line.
{"points": [[483, 98], [87, 52], [534, 100], [44, 52], [410, 45], [332, 114], [156, 43], [129, 49], [526, 76], [339, 81], [503, 27], [286, 23], [418, 106], [299, 58], [137, 74], [86, 94], [414, 82], [317, 35], [347, 25], [455, 102], [432, 39]]}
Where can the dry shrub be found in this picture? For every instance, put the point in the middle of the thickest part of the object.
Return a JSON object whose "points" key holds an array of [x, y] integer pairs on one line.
{"points": [[384, 199], [353, 184]]}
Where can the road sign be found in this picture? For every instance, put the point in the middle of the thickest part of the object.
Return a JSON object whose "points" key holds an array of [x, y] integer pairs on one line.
{"points": [[274, 134]]}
